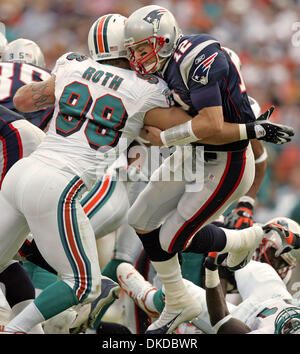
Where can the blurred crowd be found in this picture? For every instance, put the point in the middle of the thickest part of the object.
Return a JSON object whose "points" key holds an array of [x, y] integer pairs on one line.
{"points": [[264, 33]]}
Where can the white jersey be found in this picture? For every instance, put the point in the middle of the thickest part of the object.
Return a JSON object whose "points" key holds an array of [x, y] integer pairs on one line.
{"points": [[263, 321], [264, 296], [99, 110]]}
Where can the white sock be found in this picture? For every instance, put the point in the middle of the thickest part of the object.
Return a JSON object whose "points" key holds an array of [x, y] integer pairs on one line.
{"points": [[169, 272], [28, 318], [242, 240], [149, 301], [38, 329]]}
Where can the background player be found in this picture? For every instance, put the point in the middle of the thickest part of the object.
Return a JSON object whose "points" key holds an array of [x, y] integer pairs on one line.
{"points": [[23, 62], [258, 285]]}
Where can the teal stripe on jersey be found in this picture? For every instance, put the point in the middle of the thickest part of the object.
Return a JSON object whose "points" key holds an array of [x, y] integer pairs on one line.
{"points": [[63, 234], [103, 200]]}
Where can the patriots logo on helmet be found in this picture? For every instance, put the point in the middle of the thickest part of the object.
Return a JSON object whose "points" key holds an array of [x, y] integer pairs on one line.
{"points": [[204, 67], [154, 16]]}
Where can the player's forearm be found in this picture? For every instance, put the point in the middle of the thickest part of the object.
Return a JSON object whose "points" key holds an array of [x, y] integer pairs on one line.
{"points": [[230, 133], [208, 122], [261, 163], [34, 97], [215, 299]]}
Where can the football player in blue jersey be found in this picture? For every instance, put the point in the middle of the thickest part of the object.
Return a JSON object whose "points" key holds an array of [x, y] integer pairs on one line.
{"points": [[22, 62], [167, 216]]}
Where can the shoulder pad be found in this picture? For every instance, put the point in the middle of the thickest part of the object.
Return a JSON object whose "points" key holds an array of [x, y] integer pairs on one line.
{"points": [[194, 56]]}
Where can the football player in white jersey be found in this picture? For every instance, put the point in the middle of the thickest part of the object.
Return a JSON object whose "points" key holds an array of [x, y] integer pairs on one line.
{"points": [[267, 306], [99, 110], [242, 215]]}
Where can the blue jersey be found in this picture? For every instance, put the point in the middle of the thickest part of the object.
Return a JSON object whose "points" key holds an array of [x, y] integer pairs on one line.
{"points": [[201, 74], [12, 77]]}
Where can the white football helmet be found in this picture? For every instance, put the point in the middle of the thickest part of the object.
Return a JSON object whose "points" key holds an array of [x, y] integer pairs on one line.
{"points": [[157, 27], [24, 51], [106, 38], [266, 251]]}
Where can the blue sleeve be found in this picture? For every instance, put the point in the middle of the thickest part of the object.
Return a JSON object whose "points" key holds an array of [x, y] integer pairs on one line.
{"points": [[208, 96], [209, 66]]}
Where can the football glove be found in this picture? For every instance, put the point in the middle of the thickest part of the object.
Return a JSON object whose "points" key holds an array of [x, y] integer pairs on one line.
{"points": [[214, 260], [290, 240], [240, 218], [262, 129]]}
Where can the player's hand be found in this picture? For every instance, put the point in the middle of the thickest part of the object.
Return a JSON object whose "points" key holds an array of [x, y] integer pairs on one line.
{"points": [[214, 260], [240, 218], [151, 134], [290, 240], [262, 129]]}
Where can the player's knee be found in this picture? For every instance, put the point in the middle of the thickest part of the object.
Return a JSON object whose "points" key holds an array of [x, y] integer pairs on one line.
{"points": [[95, 289], [89, 292], [132, 218], [165, 245]]}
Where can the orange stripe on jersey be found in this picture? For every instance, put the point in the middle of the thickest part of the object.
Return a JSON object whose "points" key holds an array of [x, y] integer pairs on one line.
{"points": [[98, 195]]}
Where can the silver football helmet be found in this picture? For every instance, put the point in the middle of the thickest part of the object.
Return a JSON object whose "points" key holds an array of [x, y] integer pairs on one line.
{"points": [[24, 51], [157, 27], [106, 38], [267, 248], [288, 321]]}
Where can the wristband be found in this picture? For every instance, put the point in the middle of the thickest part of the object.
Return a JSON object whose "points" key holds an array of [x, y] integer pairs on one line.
{"points": [[225, 319], [243, 132], [179, 135], [262, 157], [212, 279], [246, 199]]}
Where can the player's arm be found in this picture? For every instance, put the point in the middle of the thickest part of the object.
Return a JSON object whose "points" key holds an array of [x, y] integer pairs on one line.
{"points": [[261, 163], [36, 96], [220, 318], [207, 126], [173, 126]]}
